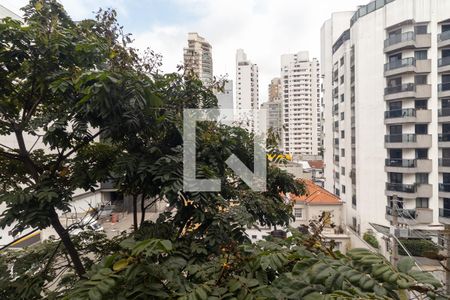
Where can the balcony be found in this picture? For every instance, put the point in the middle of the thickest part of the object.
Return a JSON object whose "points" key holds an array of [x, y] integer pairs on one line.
{"points": [[409, 191], [444, 39], [444, 190], [407, 90], [444, 140], [408, 166], [444, 165], [407, 115], [399, 141], [444, 114], [444, 90], [444, 64], [400, 66], [444, 216], [407, 40], [410, 216]]}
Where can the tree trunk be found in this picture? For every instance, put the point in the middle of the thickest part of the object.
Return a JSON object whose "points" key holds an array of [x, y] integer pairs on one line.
{"points": [[143, 209], [135, 217], [70, 247]]}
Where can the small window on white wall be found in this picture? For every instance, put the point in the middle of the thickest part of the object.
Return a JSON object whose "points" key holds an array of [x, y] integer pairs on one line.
{"points": [[298, 213]]}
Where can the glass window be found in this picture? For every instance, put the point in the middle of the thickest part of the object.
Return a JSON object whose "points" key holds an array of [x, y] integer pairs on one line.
{"points": [[395, 177], [342, 134], [422, 202], [298, 212], [421, 153], [421, 104], [420, 79], [343, 189], [343, 152], [342, 61], [371, 7], [422, 178], [342, 98], [342, 116], [421, 128], [343, 171], [421, 29], [421, 54]]}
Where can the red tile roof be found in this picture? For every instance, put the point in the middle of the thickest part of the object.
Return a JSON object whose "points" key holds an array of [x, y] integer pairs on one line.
{"points": [[316, 195], [316, 164]]}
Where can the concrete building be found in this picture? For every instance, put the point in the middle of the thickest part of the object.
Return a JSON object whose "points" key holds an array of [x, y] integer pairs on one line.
{"points": [[300, 83], [198, 57], [7, 13], [386, 71], [225, 97], [273, 107], [247, 88]]}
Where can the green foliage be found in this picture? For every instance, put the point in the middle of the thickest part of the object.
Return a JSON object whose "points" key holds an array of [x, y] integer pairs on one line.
{"points": [[418, 247], [370, 238]]}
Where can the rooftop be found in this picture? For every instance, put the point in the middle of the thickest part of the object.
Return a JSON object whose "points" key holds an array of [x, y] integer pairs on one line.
{"points": [[316, 195]]}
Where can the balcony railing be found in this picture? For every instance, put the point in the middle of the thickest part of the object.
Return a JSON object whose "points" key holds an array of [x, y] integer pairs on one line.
{"points": [[445, 61], [444, 212], [444, 187], [444, 137], [443, 87], [402, 212], [402, 163], [407, 87], [444, 112], [400, 138], [401, 187], [444, 162], [400, 63], [400, 113], [444, 36], [399, 38]]}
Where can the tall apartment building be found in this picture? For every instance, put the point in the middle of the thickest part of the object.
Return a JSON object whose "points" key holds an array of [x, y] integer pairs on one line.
{"points": [[386, 71], [247, 87], [198, 57], [273, 107], [300, 85]]}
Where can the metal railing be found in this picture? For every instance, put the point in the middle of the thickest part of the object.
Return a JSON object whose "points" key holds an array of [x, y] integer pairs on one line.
{"points": [[444, 187], [400, 138], [444, 212], [400, 113], [400, 63], [402, 212], [444, 112], [443, 87], [444, 36], [399, 38], [445, 61], [402, 163], [407, 87], [401, 187], [444, 162], [444, 137]]}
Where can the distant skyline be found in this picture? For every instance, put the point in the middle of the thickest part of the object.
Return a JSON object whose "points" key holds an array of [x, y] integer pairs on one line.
{"points": [[265, 29]]}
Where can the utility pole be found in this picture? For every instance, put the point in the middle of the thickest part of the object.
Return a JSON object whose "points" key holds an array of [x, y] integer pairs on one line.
{"points": [[447, 245], [394, 256]]}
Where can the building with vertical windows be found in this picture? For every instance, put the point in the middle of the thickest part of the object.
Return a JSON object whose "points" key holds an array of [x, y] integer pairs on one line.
{"points": [[198, 57], [386, 71], [301, 109], [225, 96], [273, 107], [247, 88]]}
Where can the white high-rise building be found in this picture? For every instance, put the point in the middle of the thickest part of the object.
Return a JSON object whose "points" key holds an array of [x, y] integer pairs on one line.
{"points": [[300, 81], [386, 71], [247, 87], [198, 57], [273, 107]]}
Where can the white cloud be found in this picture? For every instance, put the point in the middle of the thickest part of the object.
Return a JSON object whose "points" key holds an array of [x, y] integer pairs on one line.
{"points": [[265, 29]]}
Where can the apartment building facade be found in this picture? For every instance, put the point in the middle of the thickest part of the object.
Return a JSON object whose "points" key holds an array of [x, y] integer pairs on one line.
{"points": [[386, 71], [273, 107], [301, 108], [198, 57], [247, 89]]}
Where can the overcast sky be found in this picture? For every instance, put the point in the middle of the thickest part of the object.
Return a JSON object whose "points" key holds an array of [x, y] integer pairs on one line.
{"points": [[265, 29]]}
